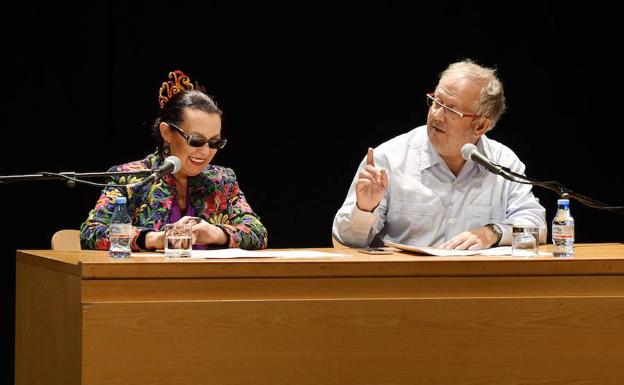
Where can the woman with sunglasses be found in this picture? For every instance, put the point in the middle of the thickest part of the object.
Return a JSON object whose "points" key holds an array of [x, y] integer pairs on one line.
{"points": [[188, 127]]}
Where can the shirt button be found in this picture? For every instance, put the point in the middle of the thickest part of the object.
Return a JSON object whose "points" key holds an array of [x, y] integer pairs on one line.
{"points": [[451, 220]]}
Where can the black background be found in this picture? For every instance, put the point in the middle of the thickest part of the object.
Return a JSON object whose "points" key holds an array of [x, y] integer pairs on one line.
{"points": [[305, 90]]}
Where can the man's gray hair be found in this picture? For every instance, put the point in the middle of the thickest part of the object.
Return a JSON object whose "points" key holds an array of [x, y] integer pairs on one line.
{"points": [[491, 102]]}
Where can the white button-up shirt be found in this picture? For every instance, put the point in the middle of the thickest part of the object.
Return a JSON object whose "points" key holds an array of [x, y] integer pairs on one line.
{"points": [[426, 204]]}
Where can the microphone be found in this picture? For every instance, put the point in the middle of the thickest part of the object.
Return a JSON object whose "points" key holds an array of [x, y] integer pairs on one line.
{"points": [[171, 165], [470, 152]]}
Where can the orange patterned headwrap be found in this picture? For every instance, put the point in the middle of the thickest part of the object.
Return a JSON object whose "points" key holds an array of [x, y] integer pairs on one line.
{"points": [[178, 83]]}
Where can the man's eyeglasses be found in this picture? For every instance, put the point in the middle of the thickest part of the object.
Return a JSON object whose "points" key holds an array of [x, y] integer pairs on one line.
{"points": [[198, 141], [434, 102]]}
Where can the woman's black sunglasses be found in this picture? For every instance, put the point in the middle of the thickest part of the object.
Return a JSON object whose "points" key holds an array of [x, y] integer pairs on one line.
{"points": [[199, 141]]}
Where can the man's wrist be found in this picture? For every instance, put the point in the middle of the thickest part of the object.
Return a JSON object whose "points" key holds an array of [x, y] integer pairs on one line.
{"points": [[497, 231], [366, 209]]}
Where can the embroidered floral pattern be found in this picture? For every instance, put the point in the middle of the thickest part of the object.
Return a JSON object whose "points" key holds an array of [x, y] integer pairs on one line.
{"points": [[215, 196]]}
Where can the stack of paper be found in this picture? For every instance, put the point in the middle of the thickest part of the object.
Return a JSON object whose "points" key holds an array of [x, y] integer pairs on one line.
{"points": [[495, 251]]}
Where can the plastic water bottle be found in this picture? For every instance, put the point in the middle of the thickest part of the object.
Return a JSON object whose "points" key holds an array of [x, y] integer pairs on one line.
{"points": [[563, 230], [119, 230]]}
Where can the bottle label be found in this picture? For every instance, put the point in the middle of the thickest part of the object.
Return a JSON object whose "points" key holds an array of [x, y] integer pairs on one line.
{"points": [[119, 230], [563, 231]]}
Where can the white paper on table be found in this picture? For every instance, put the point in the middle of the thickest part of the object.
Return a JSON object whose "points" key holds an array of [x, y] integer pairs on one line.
{"points": [[501, 251], [506, 251], [239, 253], [434, 251], [299, 254], [224, 254]]}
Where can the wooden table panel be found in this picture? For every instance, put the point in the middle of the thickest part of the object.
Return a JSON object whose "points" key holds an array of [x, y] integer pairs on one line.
{"points": [[458, 341], [85, 318]]}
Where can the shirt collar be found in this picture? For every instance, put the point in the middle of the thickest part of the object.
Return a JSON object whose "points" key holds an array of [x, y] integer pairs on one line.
{"points": [[428, 155]]}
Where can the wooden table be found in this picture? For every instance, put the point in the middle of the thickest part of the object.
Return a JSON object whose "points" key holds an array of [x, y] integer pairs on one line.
{"points": [[84, 318]]}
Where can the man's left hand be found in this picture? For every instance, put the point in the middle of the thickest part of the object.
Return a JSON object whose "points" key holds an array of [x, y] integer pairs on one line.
{"points": [[476, 239]]}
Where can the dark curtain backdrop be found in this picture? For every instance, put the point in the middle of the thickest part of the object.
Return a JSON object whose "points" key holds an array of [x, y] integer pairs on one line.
{"points": [[305, 90]]}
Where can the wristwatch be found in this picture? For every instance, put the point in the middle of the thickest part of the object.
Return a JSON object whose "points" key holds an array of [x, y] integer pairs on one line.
{"points": [[497, 231]]}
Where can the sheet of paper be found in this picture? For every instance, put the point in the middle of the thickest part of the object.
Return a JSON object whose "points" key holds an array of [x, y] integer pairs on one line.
{"points": [[433, 251], [501, 251], [224, 254], [299, 254], [239, 253], [506, 251]]}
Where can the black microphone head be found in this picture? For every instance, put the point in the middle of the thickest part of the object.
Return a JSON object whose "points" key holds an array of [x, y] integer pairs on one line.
{"points": [[467, 150]]}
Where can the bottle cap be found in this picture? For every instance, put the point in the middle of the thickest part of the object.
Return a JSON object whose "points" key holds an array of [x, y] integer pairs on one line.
{"points": [[120, 200], [563, 201]]}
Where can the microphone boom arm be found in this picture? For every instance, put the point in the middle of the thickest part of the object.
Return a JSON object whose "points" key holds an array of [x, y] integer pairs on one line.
{"points": [[73, 177], [45, 175], [560, 189]]}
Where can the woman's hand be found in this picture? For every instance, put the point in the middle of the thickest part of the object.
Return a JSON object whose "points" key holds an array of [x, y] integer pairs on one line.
{"points": [[205, 233]]}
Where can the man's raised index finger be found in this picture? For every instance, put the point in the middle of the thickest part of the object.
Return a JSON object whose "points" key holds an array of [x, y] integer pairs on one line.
{"points": [[370, 159]]}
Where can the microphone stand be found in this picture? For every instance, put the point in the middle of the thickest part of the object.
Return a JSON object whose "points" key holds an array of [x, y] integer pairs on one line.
{"points": [[560, 189], [70, 176]]}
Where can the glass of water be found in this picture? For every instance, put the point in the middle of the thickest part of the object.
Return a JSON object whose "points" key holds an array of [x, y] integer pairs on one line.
{"points": [[525, 241], [178, 238]]}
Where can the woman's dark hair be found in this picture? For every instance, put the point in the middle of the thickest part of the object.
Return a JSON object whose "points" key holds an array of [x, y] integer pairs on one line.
{"points": [[171, 112]]}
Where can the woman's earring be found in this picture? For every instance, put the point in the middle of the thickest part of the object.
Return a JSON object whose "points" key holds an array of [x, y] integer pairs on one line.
{"points": [[166, 149]]}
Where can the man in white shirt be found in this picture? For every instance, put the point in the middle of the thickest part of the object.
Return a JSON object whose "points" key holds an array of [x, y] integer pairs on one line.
{"points": [[417, 189]]}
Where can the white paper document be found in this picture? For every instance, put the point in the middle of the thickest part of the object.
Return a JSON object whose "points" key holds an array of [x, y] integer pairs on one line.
{"points": [[223, 254], [298, 254], [239, 253], [495, 251]]}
